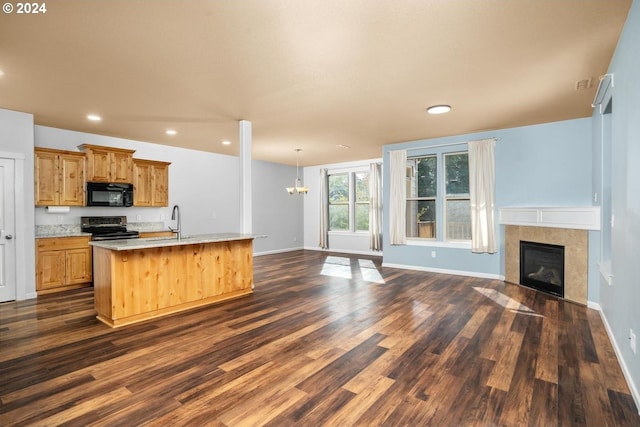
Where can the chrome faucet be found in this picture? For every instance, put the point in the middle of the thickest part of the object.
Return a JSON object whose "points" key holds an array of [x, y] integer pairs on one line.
{"points": [[175, 216]]}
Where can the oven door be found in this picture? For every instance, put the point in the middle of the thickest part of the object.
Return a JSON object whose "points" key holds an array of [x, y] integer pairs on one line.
{"points": [[115, 236]]}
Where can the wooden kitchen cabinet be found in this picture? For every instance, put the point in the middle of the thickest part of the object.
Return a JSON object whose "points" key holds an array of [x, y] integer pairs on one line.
{"points": [[63, 263], [59, 178], [150, 183], [108, 164]]}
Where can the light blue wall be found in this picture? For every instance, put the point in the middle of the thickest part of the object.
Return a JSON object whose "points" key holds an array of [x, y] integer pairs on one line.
{"points": [[540, 165], [620, 302], [544, 165], [276, 214]]}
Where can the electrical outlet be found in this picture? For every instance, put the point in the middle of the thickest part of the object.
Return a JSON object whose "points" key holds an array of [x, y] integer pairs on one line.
{"points": [[433, 254], [632, 341], [138, 217], [161, 217], [60, 219], [214, 216], [595, 197]]}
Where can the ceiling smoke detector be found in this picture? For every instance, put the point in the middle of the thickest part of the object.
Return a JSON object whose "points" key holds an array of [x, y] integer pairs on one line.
{"points": [[584, 84]]}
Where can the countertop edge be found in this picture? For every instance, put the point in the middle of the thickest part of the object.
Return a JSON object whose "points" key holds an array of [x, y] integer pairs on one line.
{"points": [[159, 242], [61, 235]]}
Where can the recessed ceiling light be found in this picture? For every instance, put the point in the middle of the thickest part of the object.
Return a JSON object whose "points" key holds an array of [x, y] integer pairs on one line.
{"points": [[1, 73], [94, 117], [439, 109], [226, 142], [171, 132], [342, 146]]}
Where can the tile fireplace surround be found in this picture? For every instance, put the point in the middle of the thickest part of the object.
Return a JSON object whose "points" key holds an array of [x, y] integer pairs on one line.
{"points": [[566, 227], [576, 250]]}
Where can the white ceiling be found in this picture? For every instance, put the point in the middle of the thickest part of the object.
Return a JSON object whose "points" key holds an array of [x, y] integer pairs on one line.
{"points": [[308, 74]]}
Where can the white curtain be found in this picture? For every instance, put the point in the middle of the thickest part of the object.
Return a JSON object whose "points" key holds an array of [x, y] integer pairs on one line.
{"points": [[397, 197], [375, 206], [324, 209], [482, 195]]}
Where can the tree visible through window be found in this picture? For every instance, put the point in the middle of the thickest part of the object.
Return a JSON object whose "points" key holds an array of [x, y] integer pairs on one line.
{"points": [[339, 202], [457, 203], [422, 190], [428, 203], [362, 201], [349, 201]]}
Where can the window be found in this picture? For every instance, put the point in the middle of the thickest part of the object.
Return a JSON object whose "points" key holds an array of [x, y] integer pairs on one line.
{"points": [[339, 202], [421, 197], [457, 204], [362, 201], [430, 203], [349, 201]]}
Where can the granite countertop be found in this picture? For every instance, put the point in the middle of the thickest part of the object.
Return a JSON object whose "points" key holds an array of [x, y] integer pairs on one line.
{"points": [[62, 234], [157, 242], [74, 230], [59, 230]]}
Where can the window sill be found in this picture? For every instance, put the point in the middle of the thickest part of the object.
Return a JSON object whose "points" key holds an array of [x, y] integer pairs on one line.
{"points": [[349, 233], [438, 244]]}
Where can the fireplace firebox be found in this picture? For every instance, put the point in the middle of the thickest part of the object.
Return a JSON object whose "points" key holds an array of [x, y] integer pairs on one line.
{"points": [[542, 267]]}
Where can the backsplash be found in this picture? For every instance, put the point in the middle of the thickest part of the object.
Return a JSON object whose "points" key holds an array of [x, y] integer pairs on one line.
{"points": [[74, 229], [147, 226]]}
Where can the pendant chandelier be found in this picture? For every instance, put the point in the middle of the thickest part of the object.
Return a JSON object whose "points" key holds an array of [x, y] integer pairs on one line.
{"points": [[297, 188]]}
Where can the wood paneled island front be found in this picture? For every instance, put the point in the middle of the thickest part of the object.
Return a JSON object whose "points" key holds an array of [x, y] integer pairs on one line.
{"points": [[139, 279]]}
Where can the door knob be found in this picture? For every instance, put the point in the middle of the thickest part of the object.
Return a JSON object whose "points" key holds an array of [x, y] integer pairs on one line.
{"points": [[8, 237]]}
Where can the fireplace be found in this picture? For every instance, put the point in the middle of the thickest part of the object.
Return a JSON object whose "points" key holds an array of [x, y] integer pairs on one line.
{"points": [[542, 267], [576, 250]]}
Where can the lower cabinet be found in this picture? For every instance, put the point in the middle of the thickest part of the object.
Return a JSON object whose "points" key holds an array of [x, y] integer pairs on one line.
{"points": [[62, 263]]}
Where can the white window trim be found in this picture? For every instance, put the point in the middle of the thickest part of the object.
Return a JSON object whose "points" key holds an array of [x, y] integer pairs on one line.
{"points": [[351, 173], [441, 206], [345, 233], [454, 244]]}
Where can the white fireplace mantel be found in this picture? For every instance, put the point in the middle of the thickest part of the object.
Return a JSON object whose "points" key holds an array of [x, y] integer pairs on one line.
{"points": [[582, 218]]}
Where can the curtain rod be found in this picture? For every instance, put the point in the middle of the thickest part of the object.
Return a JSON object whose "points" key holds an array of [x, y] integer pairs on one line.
{"points": [[448, 144]]}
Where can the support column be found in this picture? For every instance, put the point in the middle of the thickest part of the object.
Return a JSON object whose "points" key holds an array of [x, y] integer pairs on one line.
{"points": [[245, 177]]}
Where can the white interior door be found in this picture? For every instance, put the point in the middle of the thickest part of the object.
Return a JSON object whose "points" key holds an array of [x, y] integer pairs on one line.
{"points": [[8, 286]]}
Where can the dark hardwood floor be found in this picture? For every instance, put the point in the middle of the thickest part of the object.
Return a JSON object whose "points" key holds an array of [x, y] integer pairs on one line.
{"points": [[326, 339]]}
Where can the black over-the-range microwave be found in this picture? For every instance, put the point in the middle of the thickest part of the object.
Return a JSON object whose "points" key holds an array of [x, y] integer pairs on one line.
{"points": [[109, 194]]}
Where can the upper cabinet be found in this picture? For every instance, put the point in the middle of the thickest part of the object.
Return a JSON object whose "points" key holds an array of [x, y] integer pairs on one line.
{"points": [[59, 178], [107, 164], [150, 183]]}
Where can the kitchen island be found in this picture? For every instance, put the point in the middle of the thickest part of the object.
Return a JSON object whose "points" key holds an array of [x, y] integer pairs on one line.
{"points": [[140, 279]]}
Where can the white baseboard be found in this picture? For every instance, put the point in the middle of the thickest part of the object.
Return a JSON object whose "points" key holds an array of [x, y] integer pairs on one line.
{"points": [[344, 251], [446, 271], [277, 251], [616, 349], [594, 305], [28, 295]]}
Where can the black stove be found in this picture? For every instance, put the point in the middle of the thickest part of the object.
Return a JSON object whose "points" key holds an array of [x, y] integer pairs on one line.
{"points": [[107, 228]]}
